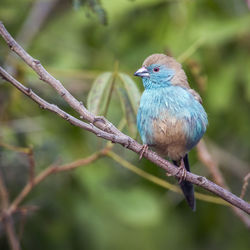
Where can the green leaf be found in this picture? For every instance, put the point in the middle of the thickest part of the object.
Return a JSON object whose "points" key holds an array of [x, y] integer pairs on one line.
{"points": [[99, 93], [130, 97], [132, 90]]}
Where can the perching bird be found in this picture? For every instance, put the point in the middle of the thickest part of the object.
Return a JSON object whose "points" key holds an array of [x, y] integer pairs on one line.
{"points": [[170, 118]]}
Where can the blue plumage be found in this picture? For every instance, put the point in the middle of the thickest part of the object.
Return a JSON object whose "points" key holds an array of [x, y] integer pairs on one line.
{"points": [[170, 118], [172, 101]]}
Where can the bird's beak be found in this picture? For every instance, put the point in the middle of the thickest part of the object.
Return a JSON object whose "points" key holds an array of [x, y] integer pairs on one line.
{"points": [[142, 72]]}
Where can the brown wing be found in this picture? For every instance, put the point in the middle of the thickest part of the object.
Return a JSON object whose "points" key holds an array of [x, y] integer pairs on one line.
{"points": [[195, 95]]}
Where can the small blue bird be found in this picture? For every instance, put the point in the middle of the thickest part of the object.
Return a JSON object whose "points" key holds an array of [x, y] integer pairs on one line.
{"points": [[170, 118]]}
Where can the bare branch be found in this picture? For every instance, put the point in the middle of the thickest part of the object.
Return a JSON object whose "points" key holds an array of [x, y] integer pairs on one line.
{"points": [[104, 128]]}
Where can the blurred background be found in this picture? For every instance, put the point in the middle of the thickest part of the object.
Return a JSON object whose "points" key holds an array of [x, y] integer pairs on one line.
{"points": [[103, 205]]}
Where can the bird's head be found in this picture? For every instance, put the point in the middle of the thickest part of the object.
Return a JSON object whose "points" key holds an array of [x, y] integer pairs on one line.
{"points": [[159, 70]]}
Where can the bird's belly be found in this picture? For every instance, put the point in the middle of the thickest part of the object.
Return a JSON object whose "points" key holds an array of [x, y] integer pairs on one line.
{"points": [[169, 137], [173, 123]]}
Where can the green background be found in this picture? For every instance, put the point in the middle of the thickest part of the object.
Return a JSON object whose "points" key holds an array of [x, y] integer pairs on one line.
{"points": [[102, 205]]}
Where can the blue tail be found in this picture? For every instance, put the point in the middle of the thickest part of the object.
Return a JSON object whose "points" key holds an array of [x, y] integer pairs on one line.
{"points": [[187, 187]]}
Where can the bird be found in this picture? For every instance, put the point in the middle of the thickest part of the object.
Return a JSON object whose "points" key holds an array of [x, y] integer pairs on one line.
{"points": [[171, 119]]}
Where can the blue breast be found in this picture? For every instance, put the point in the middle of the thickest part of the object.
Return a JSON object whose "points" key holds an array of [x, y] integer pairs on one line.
{"points": [[171, 101]]}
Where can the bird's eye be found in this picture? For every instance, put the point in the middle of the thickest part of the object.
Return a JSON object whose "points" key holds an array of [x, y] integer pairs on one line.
{"points": [[156, 69]]}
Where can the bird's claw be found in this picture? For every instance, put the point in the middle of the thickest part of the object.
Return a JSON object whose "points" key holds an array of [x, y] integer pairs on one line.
{"points": [[143, 150], [183, 172]]}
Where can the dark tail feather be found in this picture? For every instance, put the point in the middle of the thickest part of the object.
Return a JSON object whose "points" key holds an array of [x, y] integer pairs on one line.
{"points": [[187, 187]]}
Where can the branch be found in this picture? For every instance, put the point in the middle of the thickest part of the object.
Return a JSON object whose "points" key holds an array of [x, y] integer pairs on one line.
{"points": [[56, 84], [53, 108], [7, 218], [9, 209], [52, 170], [100, 126]]}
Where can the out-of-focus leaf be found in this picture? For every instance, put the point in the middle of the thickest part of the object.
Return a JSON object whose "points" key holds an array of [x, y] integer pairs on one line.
{"points": [[132, 90], [99, 93], [127, 110], [97, 8], [136, 207], [130, 97], [222, 88]]}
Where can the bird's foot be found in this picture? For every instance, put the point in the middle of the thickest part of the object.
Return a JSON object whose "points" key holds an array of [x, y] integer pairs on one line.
{"points": [[183, 172], [143, 150], [168, 174]]}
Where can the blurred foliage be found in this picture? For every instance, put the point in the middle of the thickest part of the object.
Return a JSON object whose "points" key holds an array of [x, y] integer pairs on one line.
{"points": [[103, 206]]}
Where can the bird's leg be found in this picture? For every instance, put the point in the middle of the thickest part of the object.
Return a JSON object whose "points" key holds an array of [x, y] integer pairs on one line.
{"points": [[183, 171], [143, 150]]}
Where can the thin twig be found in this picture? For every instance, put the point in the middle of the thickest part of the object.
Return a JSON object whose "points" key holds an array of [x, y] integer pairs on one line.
{"points": [[9, 228], [31, 166], [213, 166], [244, 186], [52, 170], [103, 128], [227, 160], [4, 194], [7, 218], [205, 157], [15, 148]]}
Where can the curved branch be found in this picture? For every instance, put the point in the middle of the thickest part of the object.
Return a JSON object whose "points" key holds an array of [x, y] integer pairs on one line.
{"points": [[100, 126]]}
